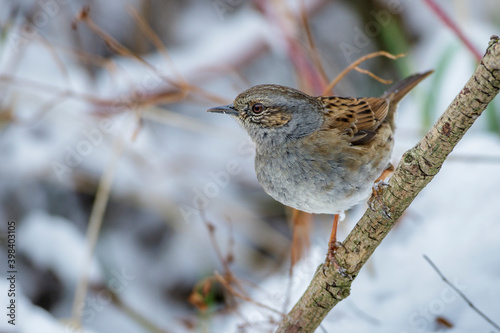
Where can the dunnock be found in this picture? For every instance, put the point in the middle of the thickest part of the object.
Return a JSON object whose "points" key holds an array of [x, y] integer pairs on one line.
{"points": [[319, 154]]}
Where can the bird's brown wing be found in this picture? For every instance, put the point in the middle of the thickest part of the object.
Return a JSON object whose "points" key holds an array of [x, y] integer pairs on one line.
{"points": [[358, 118]]}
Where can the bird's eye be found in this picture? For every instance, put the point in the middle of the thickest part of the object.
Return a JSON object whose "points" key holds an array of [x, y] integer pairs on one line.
{"points": [[257, 108]]}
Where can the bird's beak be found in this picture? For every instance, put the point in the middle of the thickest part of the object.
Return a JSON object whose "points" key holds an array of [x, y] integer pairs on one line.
{"points": [[226, 109]]}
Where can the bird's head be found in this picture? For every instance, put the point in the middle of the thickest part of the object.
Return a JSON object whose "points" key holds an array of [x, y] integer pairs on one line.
{"points": [[273, 113]]}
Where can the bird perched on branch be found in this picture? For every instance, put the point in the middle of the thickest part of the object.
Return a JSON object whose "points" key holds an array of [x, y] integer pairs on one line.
{"points": [[322, 154]]}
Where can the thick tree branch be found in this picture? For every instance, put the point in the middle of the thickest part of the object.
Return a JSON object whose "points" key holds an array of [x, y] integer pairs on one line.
{"points": [[416, 169]]}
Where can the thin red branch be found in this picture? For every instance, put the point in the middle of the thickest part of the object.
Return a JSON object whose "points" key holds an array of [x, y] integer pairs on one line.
{"points": [[448, 22]]}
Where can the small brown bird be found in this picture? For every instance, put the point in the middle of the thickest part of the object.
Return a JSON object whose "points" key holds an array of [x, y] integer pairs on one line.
{"points": [[319, 155]]}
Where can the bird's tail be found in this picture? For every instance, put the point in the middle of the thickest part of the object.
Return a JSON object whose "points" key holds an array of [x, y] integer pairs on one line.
{"points": [[403, 87], [399, 90]]}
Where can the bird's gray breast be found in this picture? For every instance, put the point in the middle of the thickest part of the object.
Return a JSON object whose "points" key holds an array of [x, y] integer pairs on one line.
{"points": [[299, 180]]}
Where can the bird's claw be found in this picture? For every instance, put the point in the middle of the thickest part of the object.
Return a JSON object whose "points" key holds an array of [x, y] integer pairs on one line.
{"points": [[377, 187], [330, 259]]}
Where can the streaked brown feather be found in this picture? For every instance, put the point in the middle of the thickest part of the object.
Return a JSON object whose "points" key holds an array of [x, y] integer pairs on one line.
{"points": [[356, 117]]}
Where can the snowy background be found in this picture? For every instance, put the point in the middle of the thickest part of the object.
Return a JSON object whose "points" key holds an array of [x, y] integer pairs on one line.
{"points": [[106, 146]]}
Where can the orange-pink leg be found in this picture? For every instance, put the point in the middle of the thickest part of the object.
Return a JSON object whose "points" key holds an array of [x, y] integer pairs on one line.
{"points": [[333, 245]]}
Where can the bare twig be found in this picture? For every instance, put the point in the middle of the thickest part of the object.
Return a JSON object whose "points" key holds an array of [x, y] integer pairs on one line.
{"points": [[94, 227], [373, 76], [236, 293], [52, 89], [215, 244], [146, 29], [184, 122], [312, 45], [461, 294], [110, 41], [56, 57], [121, 50], [116, 300], [355, 64], [133, 313]]}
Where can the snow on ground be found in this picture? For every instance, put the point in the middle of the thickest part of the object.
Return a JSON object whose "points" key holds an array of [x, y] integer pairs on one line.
{"points": [[44, 237]]}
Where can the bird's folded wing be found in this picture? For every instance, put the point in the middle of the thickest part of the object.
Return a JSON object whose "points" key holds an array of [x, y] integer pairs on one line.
{"points": [[356, 117]]}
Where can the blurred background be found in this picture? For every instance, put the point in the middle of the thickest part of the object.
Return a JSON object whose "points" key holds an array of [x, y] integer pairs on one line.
{"points": [[137, 211]]}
